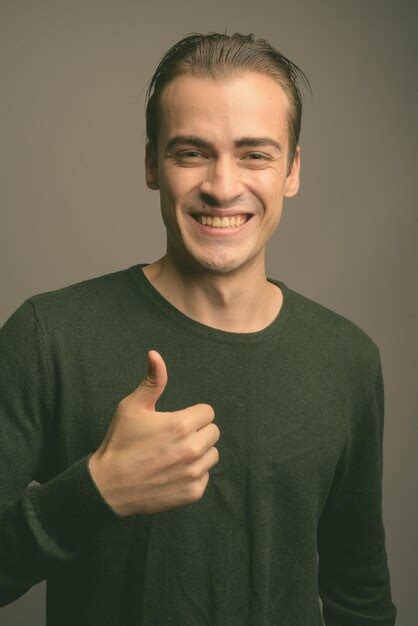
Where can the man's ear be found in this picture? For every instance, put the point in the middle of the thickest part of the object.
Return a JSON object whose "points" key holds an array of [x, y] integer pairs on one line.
{"points": [[151, 170], [291, 186]]}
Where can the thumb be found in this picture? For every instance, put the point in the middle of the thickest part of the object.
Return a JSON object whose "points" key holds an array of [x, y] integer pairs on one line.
{"points": [[154, 383]]}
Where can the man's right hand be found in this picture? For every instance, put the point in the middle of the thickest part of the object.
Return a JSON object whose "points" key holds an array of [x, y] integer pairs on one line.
{"points": [[152, 461]]}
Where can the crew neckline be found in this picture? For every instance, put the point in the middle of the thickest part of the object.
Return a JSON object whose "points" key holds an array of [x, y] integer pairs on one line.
{"points": [[209, 332]]}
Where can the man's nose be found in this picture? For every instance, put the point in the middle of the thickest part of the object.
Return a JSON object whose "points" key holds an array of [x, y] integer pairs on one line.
{"points": [[222, 184]]}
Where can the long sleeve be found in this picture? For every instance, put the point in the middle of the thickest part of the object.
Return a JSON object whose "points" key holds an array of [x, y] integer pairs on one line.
{"points": [[353, 576], [46, 525]]}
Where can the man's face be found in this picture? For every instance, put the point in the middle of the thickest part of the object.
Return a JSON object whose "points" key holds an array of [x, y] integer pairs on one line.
{"points": [[207, 165]]}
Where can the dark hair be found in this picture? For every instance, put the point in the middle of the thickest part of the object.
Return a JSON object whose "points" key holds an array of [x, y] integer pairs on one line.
{"points": [[216, 54]]}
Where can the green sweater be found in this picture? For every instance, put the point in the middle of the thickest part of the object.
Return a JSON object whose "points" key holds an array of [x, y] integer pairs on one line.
{"points": [[292, 509]]}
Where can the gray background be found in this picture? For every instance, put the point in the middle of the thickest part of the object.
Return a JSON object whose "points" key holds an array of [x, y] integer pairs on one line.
{"points": [[74, 202]]}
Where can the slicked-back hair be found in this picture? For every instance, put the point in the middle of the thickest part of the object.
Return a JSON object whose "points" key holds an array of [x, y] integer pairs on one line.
{"points": [[218, 55]]}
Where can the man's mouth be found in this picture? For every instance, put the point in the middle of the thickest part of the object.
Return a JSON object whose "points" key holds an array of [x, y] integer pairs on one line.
{"points": [[230, 222]]}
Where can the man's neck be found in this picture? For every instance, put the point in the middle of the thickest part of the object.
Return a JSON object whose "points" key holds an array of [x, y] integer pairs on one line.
{"points": [[241, 304]]}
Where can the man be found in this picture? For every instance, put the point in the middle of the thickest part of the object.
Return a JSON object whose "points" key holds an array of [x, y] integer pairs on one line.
{"points": [[138, 517]]}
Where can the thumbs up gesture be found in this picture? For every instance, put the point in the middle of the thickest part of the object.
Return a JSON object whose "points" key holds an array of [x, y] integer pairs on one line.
{"points": [[152, 461]]}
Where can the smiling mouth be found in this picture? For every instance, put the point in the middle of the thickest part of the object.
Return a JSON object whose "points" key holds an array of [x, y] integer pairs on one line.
{"points": [[234, 221]]}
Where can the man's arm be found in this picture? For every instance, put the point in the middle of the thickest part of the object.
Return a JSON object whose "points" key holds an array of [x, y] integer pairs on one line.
{"points": [[41, 526], [353, 575]]}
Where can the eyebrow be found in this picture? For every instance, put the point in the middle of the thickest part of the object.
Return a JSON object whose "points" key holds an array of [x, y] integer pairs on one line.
{"points": [[242, 142]]}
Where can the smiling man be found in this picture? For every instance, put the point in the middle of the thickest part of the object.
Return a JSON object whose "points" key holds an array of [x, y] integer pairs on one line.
{"points": [[222, 168], [138, 518]]}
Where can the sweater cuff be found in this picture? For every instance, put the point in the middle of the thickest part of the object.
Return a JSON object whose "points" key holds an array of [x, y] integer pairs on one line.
{"points": [[69, 508]]}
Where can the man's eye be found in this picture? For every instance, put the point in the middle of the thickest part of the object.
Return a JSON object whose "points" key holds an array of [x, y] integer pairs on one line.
{"points": [[258, 156], [188, 153]]}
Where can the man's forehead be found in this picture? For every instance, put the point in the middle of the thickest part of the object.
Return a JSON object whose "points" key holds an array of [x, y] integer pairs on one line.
{"points": [[249, 90], [240, 108]]}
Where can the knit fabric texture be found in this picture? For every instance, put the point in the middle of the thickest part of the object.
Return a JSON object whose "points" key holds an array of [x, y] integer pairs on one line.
{"points": [[292, 511]]}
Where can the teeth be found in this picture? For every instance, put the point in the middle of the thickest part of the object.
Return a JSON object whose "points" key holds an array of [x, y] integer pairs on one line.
{"points": [[224, 222]]}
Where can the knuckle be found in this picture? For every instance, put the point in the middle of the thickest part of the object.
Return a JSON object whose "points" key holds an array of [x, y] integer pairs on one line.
{"points": [[190, 452], [192, 472], [147, 382], [180, 426], [195, 491]]}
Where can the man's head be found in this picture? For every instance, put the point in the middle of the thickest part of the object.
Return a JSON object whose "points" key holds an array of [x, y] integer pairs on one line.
{"points": [[238, 102]]}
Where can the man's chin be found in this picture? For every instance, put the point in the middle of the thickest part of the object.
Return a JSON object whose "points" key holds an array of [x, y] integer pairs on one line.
{"points": [[216, 264]]}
